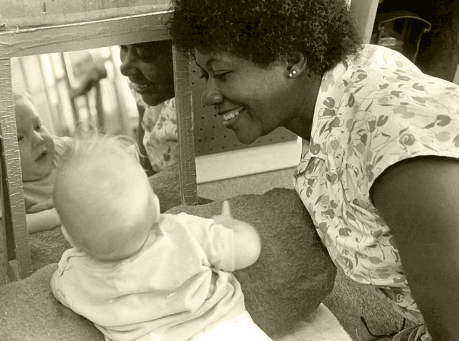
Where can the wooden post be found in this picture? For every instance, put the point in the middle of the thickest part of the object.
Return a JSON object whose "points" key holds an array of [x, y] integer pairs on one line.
{"points": [[185, 126], [14, 227], [364, 13]]}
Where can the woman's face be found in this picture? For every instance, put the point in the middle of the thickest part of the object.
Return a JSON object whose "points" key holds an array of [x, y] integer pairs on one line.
{"points": [[149, 68], [252, 101]]}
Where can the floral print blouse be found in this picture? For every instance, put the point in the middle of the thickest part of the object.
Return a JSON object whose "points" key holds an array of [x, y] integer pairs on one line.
{"points": [[160, 139], [160, 126], [371, 112]]}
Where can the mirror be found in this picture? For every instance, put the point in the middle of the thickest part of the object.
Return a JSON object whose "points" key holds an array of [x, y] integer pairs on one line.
{"points": [[111, 89], [79, 88], [60, 28]]}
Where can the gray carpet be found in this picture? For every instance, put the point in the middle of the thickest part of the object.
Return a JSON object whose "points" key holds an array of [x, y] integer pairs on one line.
{"points": [[349, 300]]}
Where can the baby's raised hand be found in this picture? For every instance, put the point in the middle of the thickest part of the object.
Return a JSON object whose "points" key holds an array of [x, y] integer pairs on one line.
{"points": [[246, 239], [225, 218], [225, 215]]}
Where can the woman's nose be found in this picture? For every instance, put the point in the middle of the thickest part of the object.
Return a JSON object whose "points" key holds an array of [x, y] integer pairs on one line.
{"points": [[128, 59], [211, 96]]}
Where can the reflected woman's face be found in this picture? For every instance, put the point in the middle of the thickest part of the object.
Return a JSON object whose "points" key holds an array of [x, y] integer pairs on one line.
{"points": [[149, 68]]}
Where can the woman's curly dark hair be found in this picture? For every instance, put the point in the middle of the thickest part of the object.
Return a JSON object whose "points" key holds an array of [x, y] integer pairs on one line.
{"points": [[266, 31]]}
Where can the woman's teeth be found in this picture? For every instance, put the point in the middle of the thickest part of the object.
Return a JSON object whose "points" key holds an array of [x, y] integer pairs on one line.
{"points": [[141, 87], [229, 116]]}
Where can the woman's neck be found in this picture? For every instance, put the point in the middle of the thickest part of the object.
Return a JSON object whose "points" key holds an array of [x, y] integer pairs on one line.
{"points": [[308, 90]]}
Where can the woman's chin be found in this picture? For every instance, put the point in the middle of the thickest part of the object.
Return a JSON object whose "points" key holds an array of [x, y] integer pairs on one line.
{"points": [[245, 138], [151, 99], [157, 97]]}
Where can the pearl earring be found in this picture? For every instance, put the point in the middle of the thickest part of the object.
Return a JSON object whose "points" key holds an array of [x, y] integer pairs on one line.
{"points": [[291, 74]]}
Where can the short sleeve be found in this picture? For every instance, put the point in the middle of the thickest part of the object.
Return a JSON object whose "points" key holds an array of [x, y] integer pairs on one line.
{"points": [[415, 118], [216, 241], [220, 247]]}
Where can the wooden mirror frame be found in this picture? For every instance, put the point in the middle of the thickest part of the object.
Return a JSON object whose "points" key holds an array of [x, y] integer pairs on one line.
{"points": [[77, 31]]}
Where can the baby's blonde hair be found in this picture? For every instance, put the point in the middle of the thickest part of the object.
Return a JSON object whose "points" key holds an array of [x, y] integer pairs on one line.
{"points": [[20, 94], [103, 196]]}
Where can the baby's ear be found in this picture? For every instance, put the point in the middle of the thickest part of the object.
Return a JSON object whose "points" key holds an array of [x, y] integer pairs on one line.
{"points": [[66, 235]]}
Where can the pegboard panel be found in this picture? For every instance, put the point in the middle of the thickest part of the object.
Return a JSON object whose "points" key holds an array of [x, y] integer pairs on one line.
{"points": [[211, 136]]}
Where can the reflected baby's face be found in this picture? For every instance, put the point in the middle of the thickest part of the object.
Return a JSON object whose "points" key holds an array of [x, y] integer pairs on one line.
{"points": [[149, 68], [36, 146]]}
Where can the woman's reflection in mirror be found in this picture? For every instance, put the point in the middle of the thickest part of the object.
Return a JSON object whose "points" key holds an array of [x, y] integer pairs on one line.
{"points": [[150, 71]]}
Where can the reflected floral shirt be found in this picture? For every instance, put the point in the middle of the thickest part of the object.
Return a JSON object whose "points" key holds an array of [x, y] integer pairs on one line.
{"points": [[160, 126], [160, 139], [370, 113]]}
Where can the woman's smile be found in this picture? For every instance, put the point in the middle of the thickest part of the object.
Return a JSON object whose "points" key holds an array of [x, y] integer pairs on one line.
{"points": [[142, 88], [250, 99], [230, 117]]}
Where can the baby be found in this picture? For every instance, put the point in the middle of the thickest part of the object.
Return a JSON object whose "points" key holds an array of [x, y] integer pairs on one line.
{"points": [[39, 152], [138, 274]]}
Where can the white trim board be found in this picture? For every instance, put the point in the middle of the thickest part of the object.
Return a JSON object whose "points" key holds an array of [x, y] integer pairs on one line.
{"points": [[248, 161]]}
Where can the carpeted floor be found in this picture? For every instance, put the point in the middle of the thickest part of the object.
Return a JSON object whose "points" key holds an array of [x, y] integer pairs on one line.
{"points": [[251, 184], [348, 300]]}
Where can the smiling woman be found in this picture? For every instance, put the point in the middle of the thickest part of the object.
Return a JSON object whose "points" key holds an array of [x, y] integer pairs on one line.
{"points": [[150, 71], [149, 68], [376, 140], [252, 91]]}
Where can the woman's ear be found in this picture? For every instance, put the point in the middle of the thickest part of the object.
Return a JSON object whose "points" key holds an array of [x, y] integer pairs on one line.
{"points": [[296, 64]]}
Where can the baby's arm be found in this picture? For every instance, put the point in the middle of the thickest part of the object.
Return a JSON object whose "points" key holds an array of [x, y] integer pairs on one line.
{"points": [[42, 221], [246, 239]]}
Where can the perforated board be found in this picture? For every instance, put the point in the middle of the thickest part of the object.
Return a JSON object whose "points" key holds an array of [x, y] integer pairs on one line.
{"points": [[211, 136]]}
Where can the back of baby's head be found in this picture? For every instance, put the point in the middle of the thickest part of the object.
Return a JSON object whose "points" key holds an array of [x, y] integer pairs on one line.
{"points": [[103, 196]]}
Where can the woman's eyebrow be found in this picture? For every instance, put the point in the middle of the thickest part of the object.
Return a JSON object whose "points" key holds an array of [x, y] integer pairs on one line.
{"points": [[208, 63], [199, 66]]}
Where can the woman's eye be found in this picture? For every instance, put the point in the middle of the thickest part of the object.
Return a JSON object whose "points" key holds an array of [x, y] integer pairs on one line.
{"points": [[147, 54], [204, 76], [38, 126], [221, 76], [146, 58], [20, 138]]}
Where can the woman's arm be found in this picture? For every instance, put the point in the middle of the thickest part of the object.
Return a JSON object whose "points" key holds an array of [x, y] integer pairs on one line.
{"points": [[42, 221], [419, 200]]}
